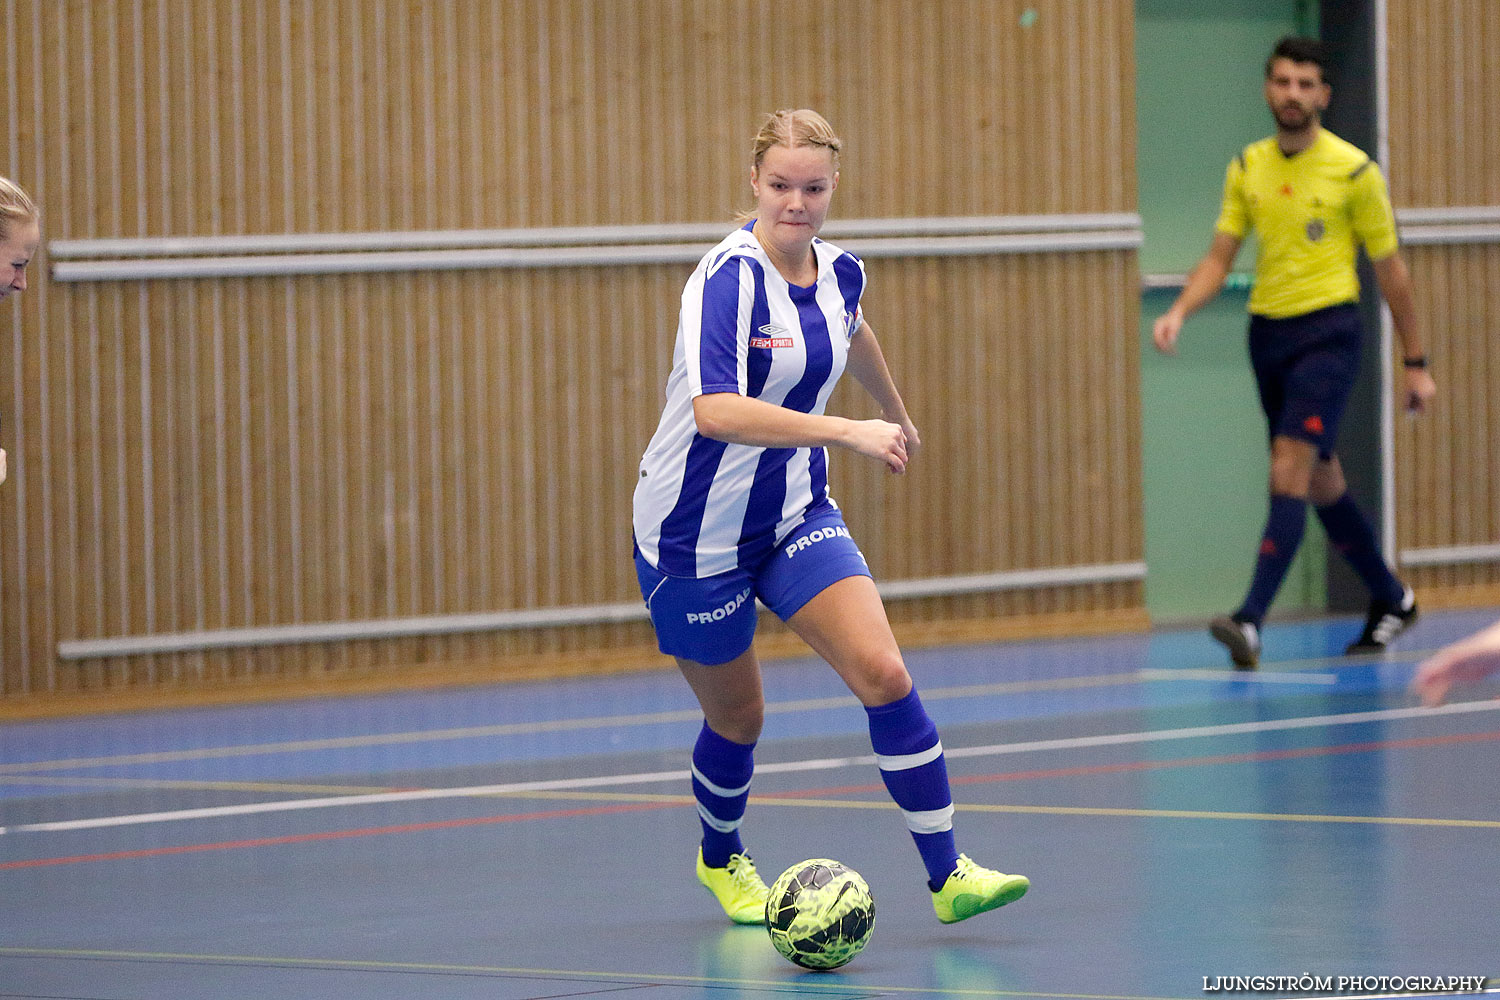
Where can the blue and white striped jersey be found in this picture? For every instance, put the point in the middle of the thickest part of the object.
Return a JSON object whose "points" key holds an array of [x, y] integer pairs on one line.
{"points": [[704, 507]]}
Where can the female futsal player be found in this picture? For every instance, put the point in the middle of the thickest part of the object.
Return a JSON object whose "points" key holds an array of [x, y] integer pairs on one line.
{"points": [[732, 505]]}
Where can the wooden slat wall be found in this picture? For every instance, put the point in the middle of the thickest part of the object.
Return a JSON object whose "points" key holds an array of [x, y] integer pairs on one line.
{"points": [[204, 454], [1016, 390], [1444, 66]]}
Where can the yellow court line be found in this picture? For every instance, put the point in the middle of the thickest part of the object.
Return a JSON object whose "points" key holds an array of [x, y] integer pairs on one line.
{"points": [[802, 983]]}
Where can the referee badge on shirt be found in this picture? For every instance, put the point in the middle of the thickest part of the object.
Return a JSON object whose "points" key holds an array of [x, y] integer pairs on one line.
{"points": [[1315, 230]]}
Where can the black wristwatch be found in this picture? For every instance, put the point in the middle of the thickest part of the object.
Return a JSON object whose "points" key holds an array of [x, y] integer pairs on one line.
{"points": [[1417, 363]]}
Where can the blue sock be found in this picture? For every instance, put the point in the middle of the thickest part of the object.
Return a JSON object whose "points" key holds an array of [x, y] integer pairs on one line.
{"points": [[910, 755], [1278, 545], [1350, 532], [721, 784]]}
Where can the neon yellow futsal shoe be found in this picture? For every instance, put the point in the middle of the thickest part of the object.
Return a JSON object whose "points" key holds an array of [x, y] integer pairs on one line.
{"points": [[972, 889], [737, 887]]}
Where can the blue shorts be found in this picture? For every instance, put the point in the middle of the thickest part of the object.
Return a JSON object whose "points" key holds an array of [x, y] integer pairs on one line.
{"points": [[712, 619], [1305, 367]]}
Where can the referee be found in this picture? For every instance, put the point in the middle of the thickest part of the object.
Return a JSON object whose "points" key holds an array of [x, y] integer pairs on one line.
{"points": [[1311, 198]]}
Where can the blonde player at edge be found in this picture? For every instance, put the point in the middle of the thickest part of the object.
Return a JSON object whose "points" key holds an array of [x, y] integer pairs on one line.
{"points": [[20, 235], [732, 505], [1466, 661]]}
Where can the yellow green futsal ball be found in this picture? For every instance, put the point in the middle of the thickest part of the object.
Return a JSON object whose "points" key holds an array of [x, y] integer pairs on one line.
{"points": [[820, 914]]}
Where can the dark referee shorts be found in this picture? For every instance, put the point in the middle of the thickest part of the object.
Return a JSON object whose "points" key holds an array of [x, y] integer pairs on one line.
{"points": [[1305, 367]]}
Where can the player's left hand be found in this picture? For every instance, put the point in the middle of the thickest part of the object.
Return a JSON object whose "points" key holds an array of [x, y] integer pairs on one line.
{"points": [[913, 439], [1420, 388], [880, 439]]}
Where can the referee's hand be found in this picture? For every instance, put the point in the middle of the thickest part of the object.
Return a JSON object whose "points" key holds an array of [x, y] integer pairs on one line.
{"points": [[1165, 330], [1420, 388]]}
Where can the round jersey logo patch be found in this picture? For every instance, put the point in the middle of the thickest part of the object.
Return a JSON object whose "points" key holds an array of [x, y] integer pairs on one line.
{"points": [[1315, 230]]}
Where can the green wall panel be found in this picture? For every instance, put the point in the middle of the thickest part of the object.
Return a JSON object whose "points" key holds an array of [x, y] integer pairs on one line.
{"points": [[1198, 78]]}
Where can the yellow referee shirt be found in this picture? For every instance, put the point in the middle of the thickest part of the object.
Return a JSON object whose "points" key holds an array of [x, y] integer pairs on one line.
{"points": [[1308, 210]]}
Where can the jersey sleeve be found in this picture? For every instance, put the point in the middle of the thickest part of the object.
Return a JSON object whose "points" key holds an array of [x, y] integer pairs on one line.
{"points": [[1373, 220], [1234, 216], [851, 277], [718, 339]]}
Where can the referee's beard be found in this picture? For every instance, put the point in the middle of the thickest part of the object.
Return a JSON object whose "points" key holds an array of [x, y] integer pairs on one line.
{"points": [[1295, 118]]}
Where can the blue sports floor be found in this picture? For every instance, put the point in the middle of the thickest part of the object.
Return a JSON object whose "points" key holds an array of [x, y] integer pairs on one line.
{"points": [[1179, 822]]}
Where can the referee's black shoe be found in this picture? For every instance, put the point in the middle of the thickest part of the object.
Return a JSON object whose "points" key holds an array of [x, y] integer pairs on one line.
{"points": [[1242, 639], [1384, 622]]}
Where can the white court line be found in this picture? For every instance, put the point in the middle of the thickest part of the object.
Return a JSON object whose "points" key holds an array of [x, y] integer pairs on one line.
{"points": [[1251, 676], [1228, 729], [823, 764], [692, 715]]}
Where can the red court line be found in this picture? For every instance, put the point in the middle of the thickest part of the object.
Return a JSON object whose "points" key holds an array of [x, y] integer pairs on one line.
{"points": [[605, 810]]}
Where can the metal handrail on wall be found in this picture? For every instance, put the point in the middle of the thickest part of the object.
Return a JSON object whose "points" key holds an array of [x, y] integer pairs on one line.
{"points": [[594, 614], [559, 236], [594, 246], [1451, 226], [348, 253]]}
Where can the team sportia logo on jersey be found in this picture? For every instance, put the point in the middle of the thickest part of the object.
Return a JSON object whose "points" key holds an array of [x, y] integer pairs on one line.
{"points": [[769, 337], [719, 614]]}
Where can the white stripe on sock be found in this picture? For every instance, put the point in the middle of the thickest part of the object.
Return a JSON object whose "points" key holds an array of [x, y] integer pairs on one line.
{"points": [[931, 821], [719, 790], [714, 822], [907, 761]]}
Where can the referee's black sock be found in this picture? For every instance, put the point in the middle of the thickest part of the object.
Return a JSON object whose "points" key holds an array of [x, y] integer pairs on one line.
{"points": [[1350, 532], [1284, 525]]}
